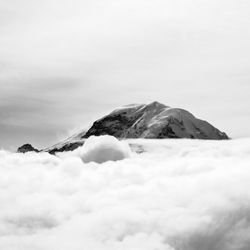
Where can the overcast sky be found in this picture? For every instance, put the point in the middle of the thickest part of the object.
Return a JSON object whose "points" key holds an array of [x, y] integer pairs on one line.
{"points": [[65, 63]]}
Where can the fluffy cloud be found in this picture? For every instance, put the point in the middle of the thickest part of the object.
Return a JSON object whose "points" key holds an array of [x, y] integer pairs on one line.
{"points": [[103, 148], [176, 195]]}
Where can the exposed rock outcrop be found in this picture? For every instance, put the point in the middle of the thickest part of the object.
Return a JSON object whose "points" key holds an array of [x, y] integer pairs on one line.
{"points": [[27, 148]]}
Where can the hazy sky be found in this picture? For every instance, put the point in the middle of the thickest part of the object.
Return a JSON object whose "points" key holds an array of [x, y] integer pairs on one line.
{"points": [[65, 63]]}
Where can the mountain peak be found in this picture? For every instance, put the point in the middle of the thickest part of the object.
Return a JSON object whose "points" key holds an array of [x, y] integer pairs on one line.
{"points": [[154, 120], [156, 104]]}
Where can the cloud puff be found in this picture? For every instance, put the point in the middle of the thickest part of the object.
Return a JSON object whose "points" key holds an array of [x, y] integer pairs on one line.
{"points": [[178, 194], [103, 148]]}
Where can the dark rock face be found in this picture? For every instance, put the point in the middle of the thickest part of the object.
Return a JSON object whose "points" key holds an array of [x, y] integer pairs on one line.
{"points": [[115, 125], [27, 148], [154, 120], [67, 147]]}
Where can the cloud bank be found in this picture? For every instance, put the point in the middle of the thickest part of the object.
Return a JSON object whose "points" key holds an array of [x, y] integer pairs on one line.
{"points": [[176, 195]]}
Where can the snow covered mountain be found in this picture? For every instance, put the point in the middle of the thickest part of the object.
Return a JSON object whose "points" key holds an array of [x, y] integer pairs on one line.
{"points": [[154, 120]]}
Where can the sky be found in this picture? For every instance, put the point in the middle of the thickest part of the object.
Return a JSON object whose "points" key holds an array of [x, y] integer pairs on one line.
{"points": [[64, 63]]}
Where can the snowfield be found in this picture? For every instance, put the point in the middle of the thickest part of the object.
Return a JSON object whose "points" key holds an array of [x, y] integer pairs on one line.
{"points": [[161, 195]]}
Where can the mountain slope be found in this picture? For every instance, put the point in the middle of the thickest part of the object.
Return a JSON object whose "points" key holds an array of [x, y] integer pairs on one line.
{"points": [[154, 120]]}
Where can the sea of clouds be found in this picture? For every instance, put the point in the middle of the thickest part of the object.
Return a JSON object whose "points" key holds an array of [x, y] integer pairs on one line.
{"points": [[161, 195]]}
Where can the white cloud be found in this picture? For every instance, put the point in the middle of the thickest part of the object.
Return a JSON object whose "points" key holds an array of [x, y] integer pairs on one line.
{"points": [[103, 148], [178, 194]]}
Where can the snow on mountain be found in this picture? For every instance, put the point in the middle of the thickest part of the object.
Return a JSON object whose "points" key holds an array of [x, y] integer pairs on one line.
{"points": [[154, 120]]}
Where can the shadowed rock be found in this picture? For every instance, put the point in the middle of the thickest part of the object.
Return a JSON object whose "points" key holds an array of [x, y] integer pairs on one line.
{"points": [[27, 148], [66, 147]]}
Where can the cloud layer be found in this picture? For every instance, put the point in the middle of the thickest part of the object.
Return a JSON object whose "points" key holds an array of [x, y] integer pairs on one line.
{"points": [[177, 195]]}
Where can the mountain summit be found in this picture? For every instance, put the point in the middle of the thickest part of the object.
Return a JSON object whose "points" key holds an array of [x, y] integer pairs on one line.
{"points": [[154, 120]]}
